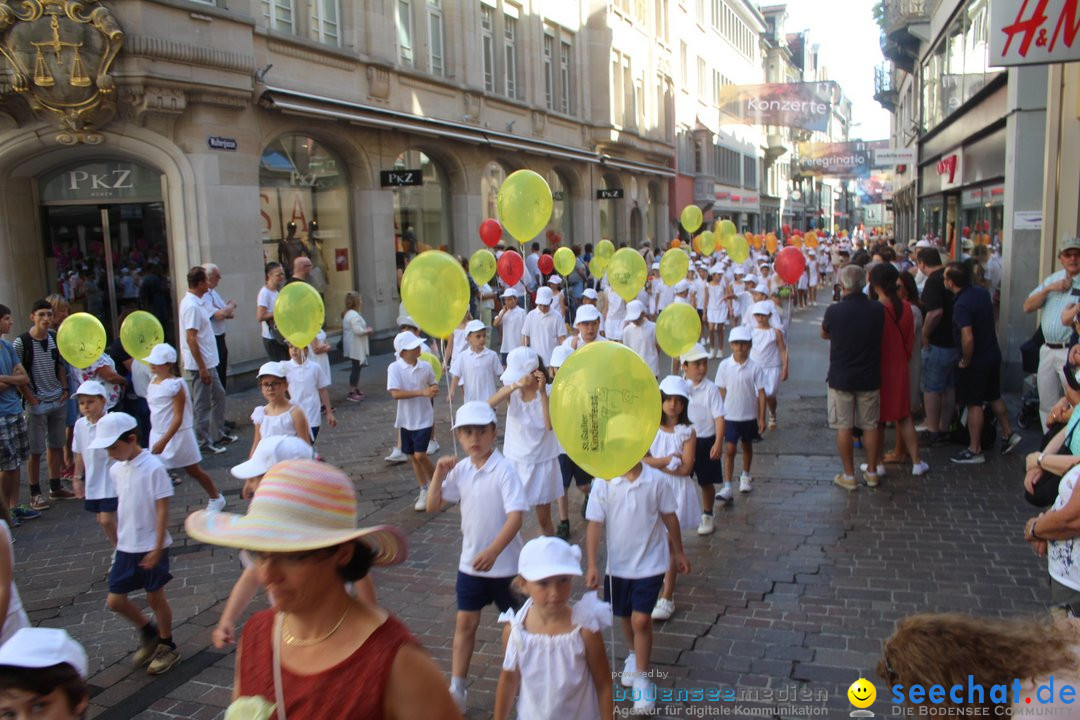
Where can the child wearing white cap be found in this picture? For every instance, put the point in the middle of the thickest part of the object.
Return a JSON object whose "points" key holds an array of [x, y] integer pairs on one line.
{"points": [[554, 659], [411, 382], [706, 413], [769, 350], [717, 310], [91, 478], [43, 675], [586, 326], [486, 486], [280, 416], [544, 327], [639, 334], [510, 321], [529, 441], [458, 341], [477, 367], [699, 281], [172, 423], [558, 297], [742, 386], [308, 383], [567, 467], [672, 454]]}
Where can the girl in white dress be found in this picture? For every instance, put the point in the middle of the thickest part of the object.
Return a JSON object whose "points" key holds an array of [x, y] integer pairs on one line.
{"points": [[279, 416], [355, 333], [770, 352], [529, 443], [172, 422], [813, 268], [716, 311], [554, 659], [672, 453]]}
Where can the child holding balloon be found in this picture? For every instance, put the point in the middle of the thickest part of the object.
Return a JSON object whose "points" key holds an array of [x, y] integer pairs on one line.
{"points": [[672, 454]]}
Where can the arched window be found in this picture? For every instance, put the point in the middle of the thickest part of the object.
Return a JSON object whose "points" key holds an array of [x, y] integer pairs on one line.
{"points": [[490, 182], [609, 212], [561, 223], [422, 212]]}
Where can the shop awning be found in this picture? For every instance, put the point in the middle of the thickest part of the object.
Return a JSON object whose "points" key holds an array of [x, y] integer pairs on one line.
{"points": [[300, 103]]}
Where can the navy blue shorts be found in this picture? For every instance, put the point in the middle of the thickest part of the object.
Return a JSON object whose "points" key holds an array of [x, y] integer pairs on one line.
{"points": [[628, 595], [736, 430], [570, 470], [707, 470], [474, 593], [101, 505], [415, 441], [126, 576]]}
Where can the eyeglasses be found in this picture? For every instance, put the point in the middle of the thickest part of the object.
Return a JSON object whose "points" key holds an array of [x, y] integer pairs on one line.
{"points": [[271, 385], [293, 558]]}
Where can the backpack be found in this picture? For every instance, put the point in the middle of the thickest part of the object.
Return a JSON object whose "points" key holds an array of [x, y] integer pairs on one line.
{"points": [[958, 431], [26, 340]]}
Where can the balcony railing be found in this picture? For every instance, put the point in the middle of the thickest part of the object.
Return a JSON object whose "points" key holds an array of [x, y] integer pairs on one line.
{"points": [[886, 91], [901, 14]]}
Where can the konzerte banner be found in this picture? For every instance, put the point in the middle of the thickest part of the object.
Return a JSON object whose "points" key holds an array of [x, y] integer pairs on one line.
{"points": [[801, 105]]}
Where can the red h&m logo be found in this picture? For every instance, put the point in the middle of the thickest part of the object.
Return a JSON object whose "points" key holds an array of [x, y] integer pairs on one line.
{"points": [[1031, 28], [947, 165]]}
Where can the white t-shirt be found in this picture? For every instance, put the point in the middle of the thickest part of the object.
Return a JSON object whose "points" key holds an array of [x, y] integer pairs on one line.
{"points": [[637, 538], [98, 481], [193, 317], [741, 384], [486, 496], [705, 406], [511, 325], [477, 372], [414, 413], [140, 483], [213, 302], [305, 382], [266, 299], [543, 330], [616, 313], [642, 340]]}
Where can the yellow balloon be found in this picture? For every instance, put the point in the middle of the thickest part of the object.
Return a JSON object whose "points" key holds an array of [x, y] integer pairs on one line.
{"points": [[627, 273], [564, 260], [605, 249], [524, 203], [726, 228], [482, 265], [598, 266], [677, 328], [673, 266], [707, 243], [691, 218], [435, 292], [299, 313], [740, 249], [605, 420], [139, 333], [725, 243], [435, 364], [81, 339]]}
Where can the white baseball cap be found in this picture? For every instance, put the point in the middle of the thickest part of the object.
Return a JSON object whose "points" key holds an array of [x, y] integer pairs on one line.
{"points": [[476, 412], [739, 270], [110, 428], [269, 452], [586, 313], [655, 266], [697, 352], [554, 280], [509, 293], [590, 293], [681, 287], [402, 341], [520, 362], [559, 355], [475, 326], [675, 385], [740, 333], [544, 296], [545, 557], [407, 321], [762, 307], [41, 647], [92, 387], [161, 354], [274, 369], [634, 310]]}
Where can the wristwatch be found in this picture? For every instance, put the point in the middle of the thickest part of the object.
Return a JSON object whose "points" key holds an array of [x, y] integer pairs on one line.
{"points": [[1039, 459]]}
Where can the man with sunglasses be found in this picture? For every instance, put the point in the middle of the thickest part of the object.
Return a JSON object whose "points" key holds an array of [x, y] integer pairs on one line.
{"points": [[1054, 296]]}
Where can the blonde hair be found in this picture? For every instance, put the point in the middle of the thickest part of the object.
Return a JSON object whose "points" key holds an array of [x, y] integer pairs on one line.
{"points": [[56, 300], [352, 302]]}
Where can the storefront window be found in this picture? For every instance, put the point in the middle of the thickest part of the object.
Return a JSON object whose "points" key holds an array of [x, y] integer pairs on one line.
{"points": [[490, 182], [958, 67], [560, 225], [303, 205], [421, 212]]}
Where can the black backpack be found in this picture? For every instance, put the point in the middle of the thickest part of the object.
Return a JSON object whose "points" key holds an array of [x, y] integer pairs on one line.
{"points": [[26, 340]]}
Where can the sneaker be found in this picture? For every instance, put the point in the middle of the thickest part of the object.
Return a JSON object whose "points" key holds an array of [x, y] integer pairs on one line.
{"points": [[563, 531], [772, 423], [61, 494], [663, 610], [421, 501], [744, 483], [25, 513], [646, 702], [880, 468], [396, 456], [626, 677], [211, 449], [845, 481], [164, 658], [968, 458], [920, 468], [147, 649], [726, 494], [871, 479], [353, 397], [175, 478], [1008, 444], [216, 504], [14, 522], [707, 525], [38, 502], [227, 439], [432, 446], [460, 698]]}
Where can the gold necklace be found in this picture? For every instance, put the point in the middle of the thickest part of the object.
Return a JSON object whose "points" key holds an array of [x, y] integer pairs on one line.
{"points": [[293, 641]]}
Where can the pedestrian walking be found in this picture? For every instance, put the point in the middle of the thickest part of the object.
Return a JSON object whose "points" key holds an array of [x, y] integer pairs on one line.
{"points": [[91, 476], [279, 416], [769, 350], [411, 382], [569, 470], [742, 386], [1058, 296], [219, 310], [511, 323], [477, 367], [14, 438], [355, 333], [706, 414], [199, 353], [273, 343], [308, 383], [543, 328]]}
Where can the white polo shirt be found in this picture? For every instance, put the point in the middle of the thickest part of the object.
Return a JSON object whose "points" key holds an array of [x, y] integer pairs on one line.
{"points": [[305, 382], [642, 340], [414, 413], [637, 545], [478, 372], [511, 325], [140, 483], [741, 384], [193, 316], [486, 496], [543, 330], [705, 406], [98, 481]]}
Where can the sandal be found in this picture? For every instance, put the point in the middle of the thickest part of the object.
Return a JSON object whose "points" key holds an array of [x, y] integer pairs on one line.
{"points": [[892, 458]]}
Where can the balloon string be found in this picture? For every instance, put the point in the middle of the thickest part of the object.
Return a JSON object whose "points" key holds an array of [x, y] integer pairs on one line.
{"points": [[449, 400]]}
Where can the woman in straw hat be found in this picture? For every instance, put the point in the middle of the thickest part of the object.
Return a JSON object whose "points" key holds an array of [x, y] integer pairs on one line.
{"points": [[318, 652]]}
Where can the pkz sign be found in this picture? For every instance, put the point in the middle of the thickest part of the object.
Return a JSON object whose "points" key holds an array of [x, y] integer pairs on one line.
{"points": [[609, 194], [101, 181], [1034, 32], [400, 178]]}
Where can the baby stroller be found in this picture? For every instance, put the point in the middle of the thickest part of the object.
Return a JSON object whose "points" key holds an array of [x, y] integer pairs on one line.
{"points": [[1028, 414]]}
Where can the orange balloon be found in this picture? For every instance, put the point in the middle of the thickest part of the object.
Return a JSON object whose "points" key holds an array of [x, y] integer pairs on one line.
{"points": [[984, 239], [811, 239], [771, 243], [676, 242], [756, 242]]}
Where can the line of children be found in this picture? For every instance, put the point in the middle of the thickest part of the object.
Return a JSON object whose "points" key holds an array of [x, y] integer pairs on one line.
{"points": [[411, 382], [477, 367], [742, 387]]}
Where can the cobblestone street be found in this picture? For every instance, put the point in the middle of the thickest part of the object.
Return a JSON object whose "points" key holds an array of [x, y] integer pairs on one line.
{"points": [[794, 592]]}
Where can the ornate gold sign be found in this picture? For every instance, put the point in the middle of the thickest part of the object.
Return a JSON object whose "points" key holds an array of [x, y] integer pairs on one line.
{"points": [[59, 53]]}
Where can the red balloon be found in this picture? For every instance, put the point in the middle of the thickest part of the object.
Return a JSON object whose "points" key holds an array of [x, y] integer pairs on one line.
{"points": [[490, 232], [546, 264], [790, 264], [511, 267]]}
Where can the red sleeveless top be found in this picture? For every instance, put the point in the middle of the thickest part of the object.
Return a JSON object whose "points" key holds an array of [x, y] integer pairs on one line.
{"points": [[354, 688]]}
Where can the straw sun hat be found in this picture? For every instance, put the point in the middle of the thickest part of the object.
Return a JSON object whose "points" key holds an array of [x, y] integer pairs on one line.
{"points": [[299, 505]]}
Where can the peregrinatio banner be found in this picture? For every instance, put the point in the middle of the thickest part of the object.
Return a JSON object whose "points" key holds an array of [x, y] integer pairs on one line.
{"points": [[846, 160], [801, 105]]}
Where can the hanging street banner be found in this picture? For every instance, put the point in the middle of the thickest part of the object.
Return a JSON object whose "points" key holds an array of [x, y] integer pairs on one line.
{"points": [[799, 105], [839, 160]]}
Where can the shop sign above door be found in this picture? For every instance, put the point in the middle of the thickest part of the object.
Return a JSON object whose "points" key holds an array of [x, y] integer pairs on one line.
{"points": [[401, 178], [1034, 32], [101, 182]]}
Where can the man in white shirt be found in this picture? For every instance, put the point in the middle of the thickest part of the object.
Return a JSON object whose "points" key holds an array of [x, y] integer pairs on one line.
{"points": [[533, 276], [200, 357], [543, 328], [219, 311]]}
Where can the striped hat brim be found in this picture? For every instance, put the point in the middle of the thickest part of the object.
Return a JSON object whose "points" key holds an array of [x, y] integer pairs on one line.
{"points": [[245, 532]]}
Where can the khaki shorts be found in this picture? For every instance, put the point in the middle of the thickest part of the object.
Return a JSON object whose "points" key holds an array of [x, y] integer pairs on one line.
{"points": [[849, 410]]}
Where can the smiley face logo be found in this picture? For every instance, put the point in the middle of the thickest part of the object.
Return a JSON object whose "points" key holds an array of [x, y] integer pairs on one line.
{"points": [[862, 693]]}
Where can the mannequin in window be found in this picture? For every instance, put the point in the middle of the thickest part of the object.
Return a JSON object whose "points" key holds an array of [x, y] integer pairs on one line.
{"points": [[319, 277], [290, 247]]}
